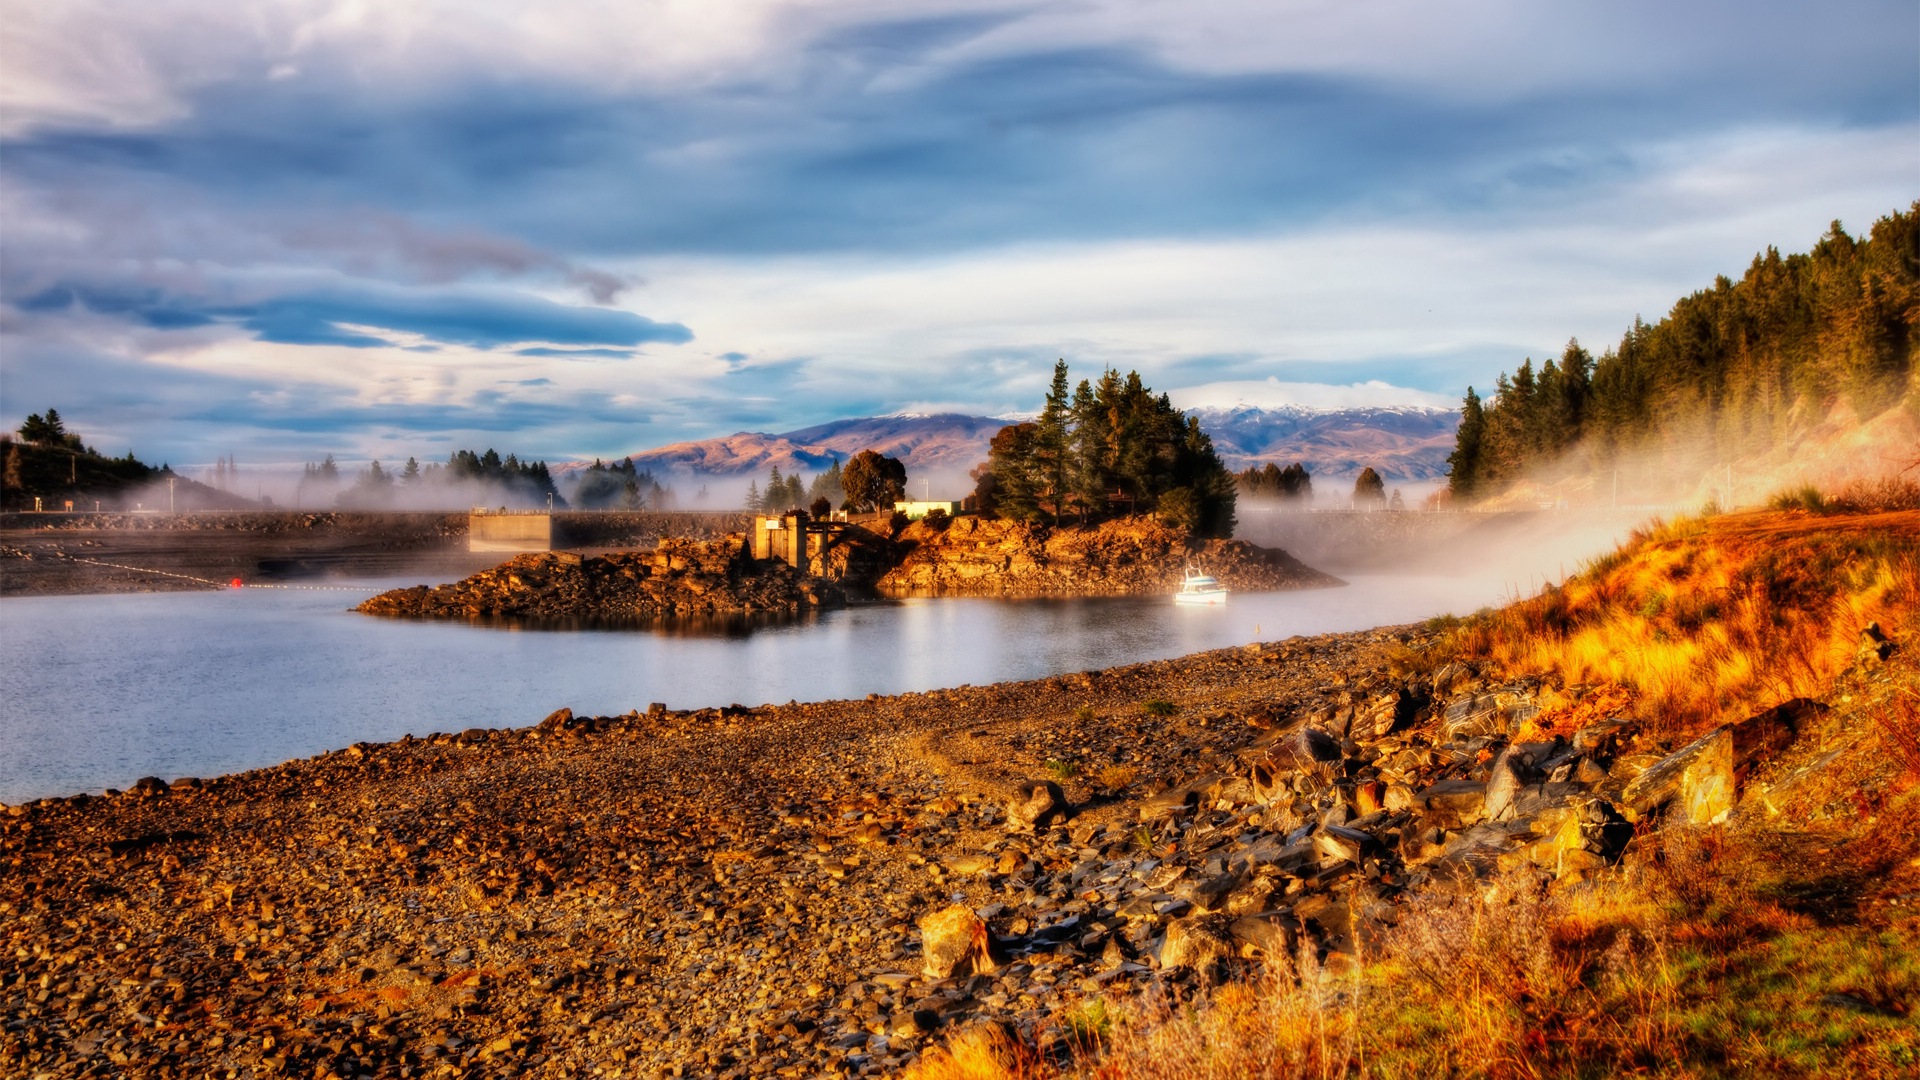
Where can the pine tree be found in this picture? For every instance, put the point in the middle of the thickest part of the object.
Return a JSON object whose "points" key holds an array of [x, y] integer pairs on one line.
{"points": [[1463, 465], [1369, 491], [1052, 443]]}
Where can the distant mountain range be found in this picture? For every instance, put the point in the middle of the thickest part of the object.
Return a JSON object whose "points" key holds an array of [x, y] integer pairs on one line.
{"points": [[1402, 443]]}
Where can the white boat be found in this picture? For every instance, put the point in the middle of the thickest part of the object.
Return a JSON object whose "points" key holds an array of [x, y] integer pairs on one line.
{"points": [[1199, 588]]}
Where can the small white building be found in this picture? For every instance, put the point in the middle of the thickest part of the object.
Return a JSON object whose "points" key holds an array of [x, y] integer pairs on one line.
{"points": [[917, 510]]}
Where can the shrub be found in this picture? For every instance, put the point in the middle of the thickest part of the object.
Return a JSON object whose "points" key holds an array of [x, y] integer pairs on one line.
{"points": [[1805, 497], [1158, 707]]}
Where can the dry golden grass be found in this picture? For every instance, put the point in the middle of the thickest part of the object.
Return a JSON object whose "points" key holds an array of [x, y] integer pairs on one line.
{"points": [[1686, 968], [1704, 619], [1711, 953]]}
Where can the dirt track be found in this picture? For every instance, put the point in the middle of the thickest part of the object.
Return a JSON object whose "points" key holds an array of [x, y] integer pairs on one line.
{"points": [[58, 561], [59, 554]]}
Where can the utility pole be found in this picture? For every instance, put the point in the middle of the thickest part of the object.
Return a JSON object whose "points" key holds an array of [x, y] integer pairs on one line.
{"points": [[170, 494]]}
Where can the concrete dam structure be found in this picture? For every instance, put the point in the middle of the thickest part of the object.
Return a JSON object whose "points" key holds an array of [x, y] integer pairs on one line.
{"points": [[509, 530]]}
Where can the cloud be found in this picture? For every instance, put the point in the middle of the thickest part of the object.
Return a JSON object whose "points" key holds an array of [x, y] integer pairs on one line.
{"points": [[1272, 393], [952, 131], [577, 354], [356, 317]]}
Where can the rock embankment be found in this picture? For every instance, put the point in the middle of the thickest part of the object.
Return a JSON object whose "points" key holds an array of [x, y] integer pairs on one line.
{"points": [[824, 889], [678, 578], [1129, 555]]}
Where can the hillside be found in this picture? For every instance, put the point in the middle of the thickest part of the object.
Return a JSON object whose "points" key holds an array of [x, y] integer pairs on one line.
{"points": [[946, 442], [1805, 369], [57, 474], [1403, 443]]}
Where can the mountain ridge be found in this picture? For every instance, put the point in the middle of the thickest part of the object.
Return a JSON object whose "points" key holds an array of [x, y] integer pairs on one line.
{"points": [[1402, 442]]}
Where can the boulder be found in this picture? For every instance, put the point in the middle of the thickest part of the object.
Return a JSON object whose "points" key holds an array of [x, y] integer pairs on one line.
{"points": [[1194, 942], [1272, 935], [1210, 893], [1496, 712], [1508, 779], [1337, 843], [1183, 797], [1702, 779], [1035, 805], [1453, 804], [956, 941], [1307, 750]]}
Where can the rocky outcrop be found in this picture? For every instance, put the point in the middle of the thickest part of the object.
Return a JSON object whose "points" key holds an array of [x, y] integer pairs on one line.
{"points": [[975, 556], [678, 578]]}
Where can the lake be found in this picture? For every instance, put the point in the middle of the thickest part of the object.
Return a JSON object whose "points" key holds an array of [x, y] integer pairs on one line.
{"points": [[102, 690]]}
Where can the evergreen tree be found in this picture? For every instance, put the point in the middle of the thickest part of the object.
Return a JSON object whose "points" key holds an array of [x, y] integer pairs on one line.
{"points": [[1463, 465], [1741, 368], [775, 500], [1052, 444], [1113, 436], [827, 485], [753, 496], [1012, 487], [1369, 491]]}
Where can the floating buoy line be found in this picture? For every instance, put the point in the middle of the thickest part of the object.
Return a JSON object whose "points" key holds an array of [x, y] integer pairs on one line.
{"points": [[235, 583]]}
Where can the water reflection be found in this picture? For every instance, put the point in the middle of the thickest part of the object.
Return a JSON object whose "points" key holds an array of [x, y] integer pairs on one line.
{"points": [[102, 690]]}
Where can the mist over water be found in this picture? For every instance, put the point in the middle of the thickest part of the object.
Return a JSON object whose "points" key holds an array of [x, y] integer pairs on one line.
{"points": [[104, 690], [1504, 555]]}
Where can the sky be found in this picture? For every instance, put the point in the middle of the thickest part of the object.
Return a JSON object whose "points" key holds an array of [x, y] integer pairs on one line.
{"points": [[382, 228]]}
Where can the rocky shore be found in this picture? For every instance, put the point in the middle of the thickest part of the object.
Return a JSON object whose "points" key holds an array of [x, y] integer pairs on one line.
{"points": [[677, 578], [821, 889], [975, 556]]}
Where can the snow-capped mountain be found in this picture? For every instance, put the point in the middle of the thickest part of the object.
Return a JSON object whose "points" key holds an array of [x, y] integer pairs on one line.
{"points": [[1401, 442]]}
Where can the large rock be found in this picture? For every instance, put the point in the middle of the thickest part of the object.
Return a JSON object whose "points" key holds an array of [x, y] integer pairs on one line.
{"points": [[1035, 805], [1271, 935], [1579, 835], [1496, 712], [1196, 943], [1453, 804], [1701, 780], [1508, 778], [956, 941], [1183, 797]]}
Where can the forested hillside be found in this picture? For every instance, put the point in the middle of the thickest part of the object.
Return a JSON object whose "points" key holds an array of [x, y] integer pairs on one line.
{"points": [[1772, 373]]}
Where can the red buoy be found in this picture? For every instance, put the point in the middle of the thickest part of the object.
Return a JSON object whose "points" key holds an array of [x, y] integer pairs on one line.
{"points": [[236, 583]]}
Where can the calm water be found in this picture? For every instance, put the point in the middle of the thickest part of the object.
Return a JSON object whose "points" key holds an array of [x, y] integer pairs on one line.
{"points": [[99, 691]]}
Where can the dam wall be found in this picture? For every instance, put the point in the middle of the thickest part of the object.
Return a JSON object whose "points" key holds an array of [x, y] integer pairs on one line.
{"points": [[509, 530]]}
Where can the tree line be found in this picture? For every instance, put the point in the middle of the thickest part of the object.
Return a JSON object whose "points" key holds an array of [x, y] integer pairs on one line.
{"points": [[527, 483], [1732, 370], [869, 481], [1107, 446]]}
